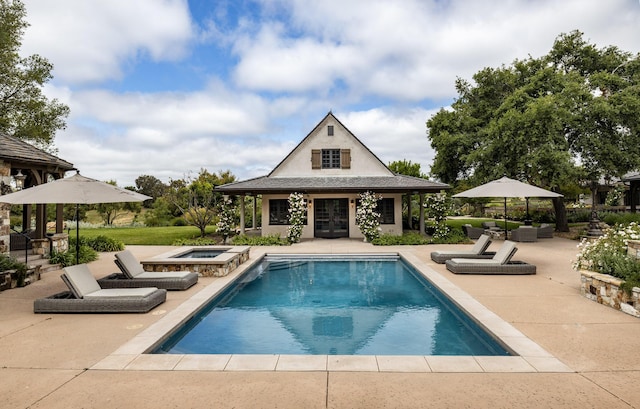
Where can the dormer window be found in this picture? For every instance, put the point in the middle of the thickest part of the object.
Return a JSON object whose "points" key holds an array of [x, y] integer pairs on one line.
{"points": [[330, 130]]}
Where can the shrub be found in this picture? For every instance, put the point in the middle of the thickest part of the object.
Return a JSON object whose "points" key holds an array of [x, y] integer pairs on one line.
{"points": [[68, 258], [406, 239], [199, 241], [297, 216], [608, 254], [103, 243], [9, 263], [270, 240]]}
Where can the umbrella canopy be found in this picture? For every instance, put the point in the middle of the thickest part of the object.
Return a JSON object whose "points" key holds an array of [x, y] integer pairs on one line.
{"points": [[77, 190], [506, 187]]}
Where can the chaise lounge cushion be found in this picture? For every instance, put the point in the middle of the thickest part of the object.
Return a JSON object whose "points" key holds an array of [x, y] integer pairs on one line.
{"points": [[500, 264], [132, 276], [86, 296], [502, 256], [477, 251]]}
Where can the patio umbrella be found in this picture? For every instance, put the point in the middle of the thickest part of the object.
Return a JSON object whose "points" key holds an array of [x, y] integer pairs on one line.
{"points": [[506, 187], [77, 190]]}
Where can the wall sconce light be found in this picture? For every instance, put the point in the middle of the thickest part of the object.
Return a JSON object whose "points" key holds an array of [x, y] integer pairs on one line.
{"points": [[20, 178], [310, 203], [353, 203]]}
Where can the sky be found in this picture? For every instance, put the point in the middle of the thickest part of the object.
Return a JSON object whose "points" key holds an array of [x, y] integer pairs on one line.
{"points": [[169, 87]]}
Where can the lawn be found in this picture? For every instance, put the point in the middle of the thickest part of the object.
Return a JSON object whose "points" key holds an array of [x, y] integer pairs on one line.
{"points": [[151, 236], [160, 236]]}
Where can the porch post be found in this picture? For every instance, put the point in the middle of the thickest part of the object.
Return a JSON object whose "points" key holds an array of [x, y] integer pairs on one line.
{"points": [[422, 229], [409, 212], [254, 222], [242, 214]]}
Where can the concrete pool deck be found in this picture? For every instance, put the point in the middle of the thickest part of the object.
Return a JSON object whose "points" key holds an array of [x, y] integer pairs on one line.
{"points": [[53, 360]]}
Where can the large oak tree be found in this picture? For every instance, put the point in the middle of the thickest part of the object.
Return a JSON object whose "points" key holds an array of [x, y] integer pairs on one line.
{"points": [[567, 118]]}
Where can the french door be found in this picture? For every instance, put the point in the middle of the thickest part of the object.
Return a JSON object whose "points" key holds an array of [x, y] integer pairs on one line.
{"points": [[331, 218]]}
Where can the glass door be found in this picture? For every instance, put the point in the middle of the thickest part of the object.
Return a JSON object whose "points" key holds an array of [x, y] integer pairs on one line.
{"points": [[331, 218]]}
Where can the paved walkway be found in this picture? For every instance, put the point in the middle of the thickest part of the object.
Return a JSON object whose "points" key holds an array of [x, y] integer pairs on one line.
{"points": [[44, 359]]}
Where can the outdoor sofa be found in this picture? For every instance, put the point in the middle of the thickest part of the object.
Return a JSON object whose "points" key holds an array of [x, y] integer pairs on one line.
{"points": [[86, 296], [525, 234], [477, 251], [500, 263], [133, 275]]}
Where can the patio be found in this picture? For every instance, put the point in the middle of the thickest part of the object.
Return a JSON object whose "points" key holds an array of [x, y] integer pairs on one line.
{"points": [[44, 359]]}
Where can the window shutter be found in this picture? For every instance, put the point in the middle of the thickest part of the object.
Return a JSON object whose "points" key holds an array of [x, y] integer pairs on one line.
{"points": [[316, 159], [345, 158]]}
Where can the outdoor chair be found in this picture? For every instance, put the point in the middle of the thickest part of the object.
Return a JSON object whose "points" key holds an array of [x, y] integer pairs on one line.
{"points": [[525, 234], [133, 275], [85, 295], [491, 226], [500, 263], [545, 231], [472, 232], [477, 251]]}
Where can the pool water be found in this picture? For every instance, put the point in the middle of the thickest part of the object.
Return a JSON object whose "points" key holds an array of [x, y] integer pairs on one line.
{"points": [[201, 254], [332, 306]]}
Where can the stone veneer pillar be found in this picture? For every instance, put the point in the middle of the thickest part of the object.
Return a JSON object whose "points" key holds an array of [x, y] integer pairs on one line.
{"points": [[5, 209]]}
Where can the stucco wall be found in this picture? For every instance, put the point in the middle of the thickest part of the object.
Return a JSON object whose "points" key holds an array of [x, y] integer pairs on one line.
{"points": [[308, 230]]}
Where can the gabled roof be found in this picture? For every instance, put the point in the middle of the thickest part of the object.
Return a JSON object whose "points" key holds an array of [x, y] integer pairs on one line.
{"points": [[13, 149], [315, 130]]}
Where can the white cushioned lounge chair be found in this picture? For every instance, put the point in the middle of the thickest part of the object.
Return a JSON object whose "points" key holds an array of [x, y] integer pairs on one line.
{"points": [[477, 251], [500, 263], [86, 295], [133, 275]]}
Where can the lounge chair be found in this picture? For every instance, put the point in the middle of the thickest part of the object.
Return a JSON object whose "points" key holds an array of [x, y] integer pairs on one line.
{"points": [[525, 234], [500, 263], [472, 232], [86, 295], [133, 276], [477, 251]]}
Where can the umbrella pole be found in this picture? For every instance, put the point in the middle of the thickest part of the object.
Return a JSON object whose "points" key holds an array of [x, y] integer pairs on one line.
{"points": [[77, 234], [506, 231]]}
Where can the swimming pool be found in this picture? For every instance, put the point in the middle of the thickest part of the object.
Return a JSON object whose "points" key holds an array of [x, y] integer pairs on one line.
{"points": [[346, 305]]}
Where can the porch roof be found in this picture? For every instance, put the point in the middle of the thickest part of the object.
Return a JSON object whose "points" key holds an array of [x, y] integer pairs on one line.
{"points": [[344, 184], [24, 154]]}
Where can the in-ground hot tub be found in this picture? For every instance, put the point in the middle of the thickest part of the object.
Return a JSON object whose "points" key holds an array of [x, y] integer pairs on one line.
{"points": [[207, 261]]}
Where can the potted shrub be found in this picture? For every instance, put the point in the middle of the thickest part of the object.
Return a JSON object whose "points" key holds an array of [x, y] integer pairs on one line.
{"points": [[13, 273], [609, 275]]}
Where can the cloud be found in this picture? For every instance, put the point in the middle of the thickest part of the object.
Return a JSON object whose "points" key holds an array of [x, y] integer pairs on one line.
{"points": [[94, 41]]}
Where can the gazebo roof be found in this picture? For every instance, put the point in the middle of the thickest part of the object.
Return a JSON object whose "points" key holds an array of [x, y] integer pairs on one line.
{"points": [[15, 150]]}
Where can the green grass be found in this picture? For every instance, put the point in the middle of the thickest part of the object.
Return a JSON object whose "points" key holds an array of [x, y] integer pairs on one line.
{"points": [[152, 236], [167, 236]]}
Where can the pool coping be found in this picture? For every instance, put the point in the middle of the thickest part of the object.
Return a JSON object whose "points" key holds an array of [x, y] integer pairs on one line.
{"points": [[530, 357]]}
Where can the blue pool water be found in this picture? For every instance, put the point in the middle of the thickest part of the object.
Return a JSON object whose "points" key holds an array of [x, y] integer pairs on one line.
{"points": [[195, 253], [328, 305]]}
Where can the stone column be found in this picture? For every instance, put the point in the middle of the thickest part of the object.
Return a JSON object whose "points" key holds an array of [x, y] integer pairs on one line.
{"points": [[242, 214], [5, 212]]}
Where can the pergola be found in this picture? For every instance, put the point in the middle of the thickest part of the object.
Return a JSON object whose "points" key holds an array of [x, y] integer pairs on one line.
{"points": [[23, 165]]}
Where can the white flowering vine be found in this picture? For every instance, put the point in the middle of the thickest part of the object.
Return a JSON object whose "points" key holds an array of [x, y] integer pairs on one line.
{"points": [[367, 218], [297, 216], [226, 218], [437, 206]]}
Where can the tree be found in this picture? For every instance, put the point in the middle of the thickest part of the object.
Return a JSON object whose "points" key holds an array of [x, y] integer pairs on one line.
{"points": [[110, 211], [406, 167], [196, 199], [551, 121], [24, 110], [150, 186]]}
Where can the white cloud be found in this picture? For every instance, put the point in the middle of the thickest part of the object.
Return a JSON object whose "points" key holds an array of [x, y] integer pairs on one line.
{"points": [[92, 41]]}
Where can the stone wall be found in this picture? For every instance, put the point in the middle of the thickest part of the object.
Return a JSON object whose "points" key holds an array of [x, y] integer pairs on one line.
{"points": [[5, 170], [633, 249], [605, 289]]}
